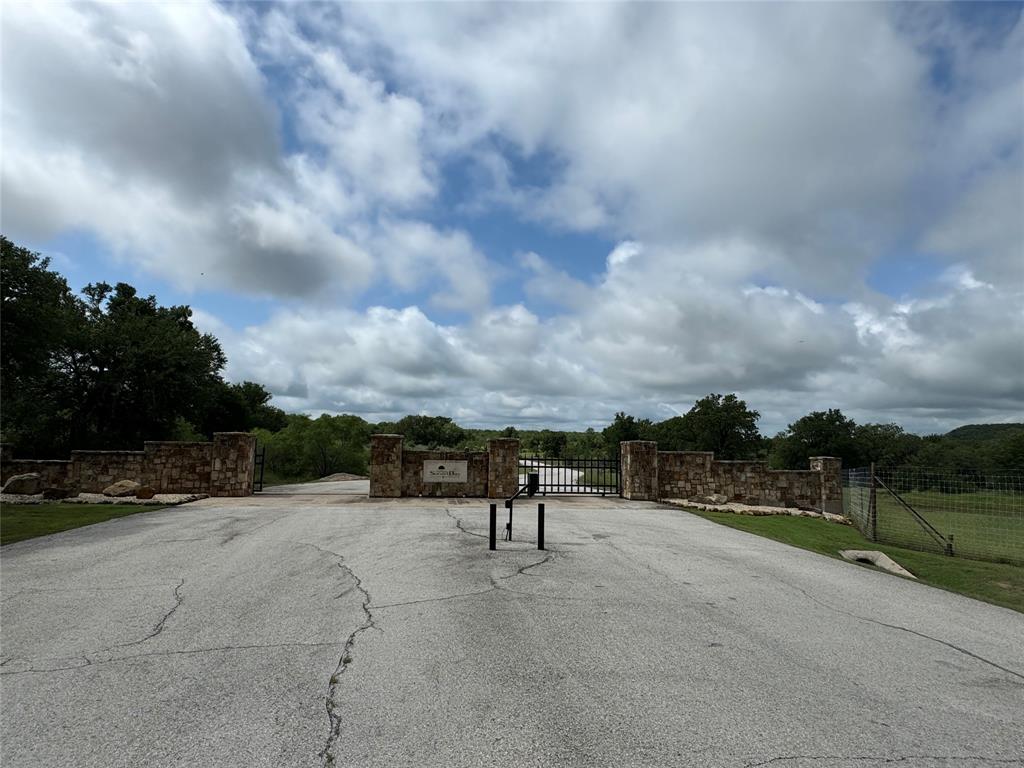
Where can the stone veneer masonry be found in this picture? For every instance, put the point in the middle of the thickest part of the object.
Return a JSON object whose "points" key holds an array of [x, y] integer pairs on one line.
{"points": [[221, 468], [830, 469], [386, 466], [693, 474], [647, 475], [396, 472], [639, 470], [502, 467], [476, 476]]}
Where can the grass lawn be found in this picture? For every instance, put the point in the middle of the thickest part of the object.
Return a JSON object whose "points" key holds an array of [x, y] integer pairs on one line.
{"points": [[996, 583], [26, 521], [600, 478], [983, 525]]}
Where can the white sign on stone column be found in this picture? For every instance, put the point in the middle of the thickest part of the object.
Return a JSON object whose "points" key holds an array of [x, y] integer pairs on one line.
{"points": [[445, 471]]}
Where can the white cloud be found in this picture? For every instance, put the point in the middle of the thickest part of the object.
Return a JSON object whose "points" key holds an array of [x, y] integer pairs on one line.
{"points": [[152, 127], [794, 127], [646, 340], [417, 255], [752, 162]]}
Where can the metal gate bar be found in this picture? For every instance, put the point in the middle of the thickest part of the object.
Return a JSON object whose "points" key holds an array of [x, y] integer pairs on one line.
{"points": [[259, 459], [597, 477]]}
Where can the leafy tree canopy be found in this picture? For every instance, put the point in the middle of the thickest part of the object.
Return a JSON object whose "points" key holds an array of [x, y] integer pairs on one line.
{"points": [[820, 433], [625, 428], [723, 424], [109, 368], [430, 431]]}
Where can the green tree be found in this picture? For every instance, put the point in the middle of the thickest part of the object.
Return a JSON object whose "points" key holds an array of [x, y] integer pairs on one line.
{"points": [[551, 444], [624, 428], [820, 433], [310, 448], [337, 444], [885, 444], [110, 369], [240, 408], [430, 431], [40, 319], [673, 434], [723, 424], [587, 445], [1008, 453], [140, 366]]}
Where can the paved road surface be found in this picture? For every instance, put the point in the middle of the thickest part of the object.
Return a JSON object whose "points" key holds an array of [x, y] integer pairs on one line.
{"points": [[307, 627]]}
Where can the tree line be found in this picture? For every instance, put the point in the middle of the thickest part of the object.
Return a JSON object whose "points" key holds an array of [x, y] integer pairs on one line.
{"points": [[723, 424], [108, 368]]}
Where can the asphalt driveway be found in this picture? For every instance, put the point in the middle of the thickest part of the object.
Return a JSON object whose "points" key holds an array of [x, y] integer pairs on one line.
{"points": [[313, 626]]}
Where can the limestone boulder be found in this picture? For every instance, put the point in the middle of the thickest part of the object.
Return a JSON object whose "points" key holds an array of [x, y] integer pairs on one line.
{"points": [[121, 488], [718, 498], [145, 492], [28, 484]]}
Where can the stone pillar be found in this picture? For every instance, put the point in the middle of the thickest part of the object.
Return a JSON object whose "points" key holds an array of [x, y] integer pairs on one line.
{"points": [[639, 470], [386, 466], [502, 467], [234, 458], [831, 483]]}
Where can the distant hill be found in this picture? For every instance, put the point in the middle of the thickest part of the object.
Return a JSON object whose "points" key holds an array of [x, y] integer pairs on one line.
{"points": [[977, 432]]}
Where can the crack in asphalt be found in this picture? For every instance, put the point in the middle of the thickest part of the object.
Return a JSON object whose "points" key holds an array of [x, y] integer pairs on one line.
{"points": [[458, 524], [243, 530], [523, 571], [120, 659], [178, 599], [345, 660], [952, 646], [333, 715], [495, 581], [435, 599], [883, 759]]}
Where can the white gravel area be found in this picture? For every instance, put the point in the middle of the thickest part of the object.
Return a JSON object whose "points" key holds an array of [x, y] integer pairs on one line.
{"points": [[757, 510], [99, 498]]}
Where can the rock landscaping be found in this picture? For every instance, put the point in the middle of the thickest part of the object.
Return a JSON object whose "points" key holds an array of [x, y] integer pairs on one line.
{"points": [[98, 498], [758, 510], [28, 483]]}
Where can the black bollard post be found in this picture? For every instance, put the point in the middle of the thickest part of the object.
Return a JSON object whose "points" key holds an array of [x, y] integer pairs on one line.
{"points": [[494, 526], [540, 526], [508, 525]]}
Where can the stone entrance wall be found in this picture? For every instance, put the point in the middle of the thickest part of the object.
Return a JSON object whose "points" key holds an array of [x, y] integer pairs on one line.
{"points": [[650, 474], [221, 468], [639, 470], [476, 477], [397, 472]]}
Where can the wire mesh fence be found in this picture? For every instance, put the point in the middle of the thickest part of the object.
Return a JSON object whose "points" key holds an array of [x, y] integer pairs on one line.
{"points": [[965, 513]]}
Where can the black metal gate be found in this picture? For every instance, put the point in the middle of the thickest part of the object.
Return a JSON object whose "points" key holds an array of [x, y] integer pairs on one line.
{"points": [[597, 477], [257, 467]]}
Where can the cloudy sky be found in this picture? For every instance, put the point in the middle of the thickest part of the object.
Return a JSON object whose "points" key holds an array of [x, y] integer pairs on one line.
{"points": [[541, 214]]}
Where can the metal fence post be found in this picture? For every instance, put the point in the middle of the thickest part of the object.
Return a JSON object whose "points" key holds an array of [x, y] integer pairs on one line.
{"points": [[494, 527], [540, 526], [872, 507]]}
